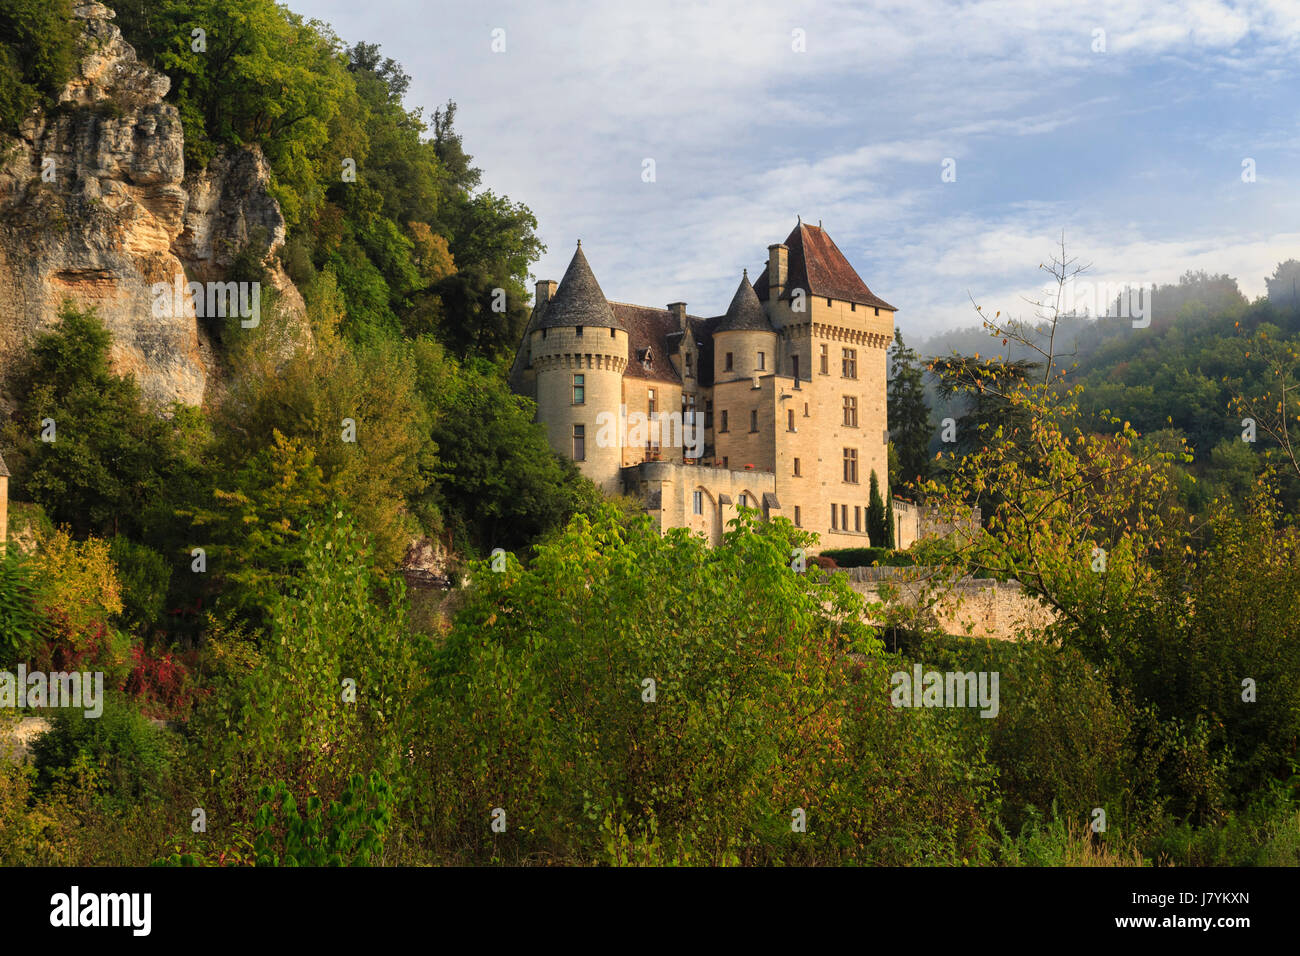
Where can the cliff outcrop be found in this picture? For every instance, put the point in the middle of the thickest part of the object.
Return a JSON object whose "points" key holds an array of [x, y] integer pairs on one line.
{"points": [[96, 206]]}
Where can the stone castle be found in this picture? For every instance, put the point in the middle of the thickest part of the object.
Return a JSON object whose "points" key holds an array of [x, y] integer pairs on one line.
{"points": [[779, 404]]}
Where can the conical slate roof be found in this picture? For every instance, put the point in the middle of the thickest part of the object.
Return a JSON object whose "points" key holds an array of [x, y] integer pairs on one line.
{"points": [[578, 300], [745, 314]]}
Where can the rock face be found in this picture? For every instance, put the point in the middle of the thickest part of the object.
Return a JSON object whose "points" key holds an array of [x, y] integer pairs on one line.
{"points": [[96, 207], [427, 564]]}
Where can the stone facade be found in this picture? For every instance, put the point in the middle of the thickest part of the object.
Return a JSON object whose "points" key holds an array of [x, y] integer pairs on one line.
{"points": [[782, 398], [975, 607]]}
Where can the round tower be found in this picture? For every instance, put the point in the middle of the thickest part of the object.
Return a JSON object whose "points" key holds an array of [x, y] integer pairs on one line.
{"points": [[744, 343], [579, 352]]}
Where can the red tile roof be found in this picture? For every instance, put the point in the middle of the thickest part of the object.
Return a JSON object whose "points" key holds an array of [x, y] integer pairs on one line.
{"points": [[817, 265]]}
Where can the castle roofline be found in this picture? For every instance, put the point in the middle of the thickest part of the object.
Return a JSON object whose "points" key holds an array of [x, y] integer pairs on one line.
{"points": [[745, 314], [817, 266], [579, 300]]}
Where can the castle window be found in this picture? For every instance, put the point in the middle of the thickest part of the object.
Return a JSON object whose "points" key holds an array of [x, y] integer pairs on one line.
{"points": [[697, 503], [543, 334], [851, 411], [579, 331], [708, 413], [579, 442], [688, 363], [826, 360], [877, 311], [857, 518], [844, 517], [724, 462], [650, 401], [579, 390], [853, 307], [805, 409], [798, 518], [828, 302], [762, 361], [743, 501], [723, 426], [753, 420], [611, 333], [851, 466], [835, 518], [797, 472], [849, 363], [794, 369], [727, 367], [789, 419]]}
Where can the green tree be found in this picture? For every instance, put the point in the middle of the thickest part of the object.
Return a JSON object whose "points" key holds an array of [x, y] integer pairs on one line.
{"points": [[499, 481], [263, 75], [1284, 284], [876, 528], [909, 415], [37, 56], [357, 410], [87, 450]]}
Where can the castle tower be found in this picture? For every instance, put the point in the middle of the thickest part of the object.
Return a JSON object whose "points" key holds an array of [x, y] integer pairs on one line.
{"points": [[744, 342], [578, 350], [744, 364]]}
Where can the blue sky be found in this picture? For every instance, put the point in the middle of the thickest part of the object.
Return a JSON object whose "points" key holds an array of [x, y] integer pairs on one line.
{"points": [[1134, 150]]}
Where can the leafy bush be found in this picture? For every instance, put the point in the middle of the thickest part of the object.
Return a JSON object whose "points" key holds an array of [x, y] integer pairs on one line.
{"points": [[161, 686], [867, 557], [128, 753], [23, 623], [543, 706], [145, 576], [350, 832]]}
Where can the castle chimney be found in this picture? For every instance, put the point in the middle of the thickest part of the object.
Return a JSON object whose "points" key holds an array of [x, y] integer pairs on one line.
{"points": [[678, 309], [545, 292], [778, 268]]}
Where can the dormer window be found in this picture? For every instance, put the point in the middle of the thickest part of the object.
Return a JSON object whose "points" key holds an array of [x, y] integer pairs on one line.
{"points": [[648, 359]]}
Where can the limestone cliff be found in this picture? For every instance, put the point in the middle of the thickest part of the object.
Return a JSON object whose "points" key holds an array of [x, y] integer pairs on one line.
{"points": [[96, 206]]}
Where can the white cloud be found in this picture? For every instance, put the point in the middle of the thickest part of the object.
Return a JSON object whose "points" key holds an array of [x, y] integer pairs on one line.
{"points": [[746, 133]]}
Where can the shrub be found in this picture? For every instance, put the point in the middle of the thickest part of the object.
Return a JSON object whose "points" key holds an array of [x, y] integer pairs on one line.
{"points": [[868, 557], [127, 752], [643, 698], [145, 576], [23, 624]]}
